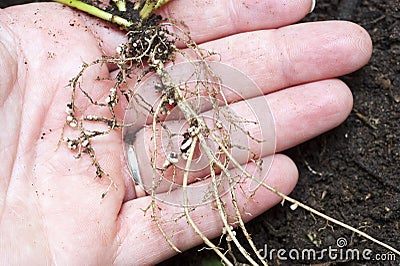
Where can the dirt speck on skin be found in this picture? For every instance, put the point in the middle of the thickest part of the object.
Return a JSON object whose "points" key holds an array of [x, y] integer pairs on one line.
{"points": [[351, 173]]}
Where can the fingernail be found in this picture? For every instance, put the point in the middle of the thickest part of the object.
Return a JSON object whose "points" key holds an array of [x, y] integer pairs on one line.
{"points": [[313, 2]]}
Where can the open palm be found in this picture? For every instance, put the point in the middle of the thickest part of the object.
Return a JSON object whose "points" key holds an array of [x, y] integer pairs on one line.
{"points": [[50, 206]]}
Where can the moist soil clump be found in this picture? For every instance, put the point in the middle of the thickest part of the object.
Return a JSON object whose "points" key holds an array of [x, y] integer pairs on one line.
{"points": [[141, 30], [351, 173]]}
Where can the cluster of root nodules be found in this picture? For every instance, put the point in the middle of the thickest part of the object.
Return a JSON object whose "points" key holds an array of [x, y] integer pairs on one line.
{"points": [[91, 113]]}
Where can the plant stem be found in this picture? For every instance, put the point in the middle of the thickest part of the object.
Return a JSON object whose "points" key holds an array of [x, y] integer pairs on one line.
{"points": [[121, 5], [97, 12], [150, 6]]}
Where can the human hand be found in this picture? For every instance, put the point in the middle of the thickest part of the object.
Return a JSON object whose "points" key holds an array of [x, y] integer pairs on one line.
{"points": [[51, 210]]}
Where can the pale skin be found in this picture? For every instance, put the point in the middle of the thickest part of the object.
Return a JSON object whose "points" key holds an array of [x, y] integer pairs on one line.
{"points": [[50, 206]]}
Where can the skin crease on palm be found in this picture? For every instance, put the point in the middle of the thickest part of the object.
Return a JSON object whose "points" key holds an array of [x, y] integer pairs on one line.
{"points": [[50, 206]]}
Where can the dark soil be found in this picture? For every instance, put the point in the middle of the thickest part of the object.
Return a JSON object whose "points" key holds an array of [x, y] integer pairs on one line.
{"points": [[355, 168]]}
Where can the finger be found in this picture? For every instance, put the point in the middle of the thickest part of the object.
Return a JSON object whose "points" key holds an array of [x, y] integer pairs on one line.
{"points": [[282, 175], [309, 110], [294, 116], [298, 114], [296, 54], [289, 56], [209, 20]]}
